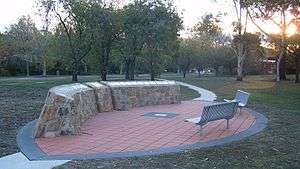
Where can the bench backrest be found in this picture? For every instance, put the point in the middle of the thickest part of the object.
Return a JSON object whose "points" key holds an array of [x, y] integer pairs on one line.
{"points": [[242, 97], [218, 111]]}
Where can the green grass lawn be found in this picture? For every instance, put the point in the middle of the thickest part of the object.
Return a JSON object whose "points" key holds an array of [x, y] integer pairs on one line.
{"points": [[276, 147], [264, 91]]}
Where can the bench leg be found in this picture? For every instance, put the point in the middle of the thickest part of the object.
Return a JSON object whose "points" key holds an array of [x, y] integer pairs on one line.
{"points": [[201, 130], [240, 109], [227, 124]]}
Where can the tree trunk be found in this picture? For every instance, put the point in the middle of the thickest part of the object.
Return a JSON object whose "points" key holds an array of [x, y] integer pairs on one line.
{"points": [[44, 67], [127, 74], [239, 75], [105, 53], [104, 72], [279, 60], [131, 72], [184, 74], [27, 68], [132, 68], [152, 76], [121, 69], [85, 68], [129, 68], [297, 62], [74, 77], [104, 75], [281, 64], [75, 72], [152, 71], [240, 64], [241, 50], [199, 69], [217, 70], [282, 67]]}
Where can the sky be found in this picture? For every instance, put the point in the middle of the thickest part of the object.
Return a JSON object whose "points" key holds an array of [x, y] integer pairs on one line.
{"points": [[192, 10], [11, 10]]}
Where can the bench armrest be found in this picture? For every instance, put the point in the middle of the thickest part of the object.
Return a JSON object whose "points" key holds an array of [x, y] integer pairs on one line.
{"points": [[193, 120], [241, 105], [226, 100]]}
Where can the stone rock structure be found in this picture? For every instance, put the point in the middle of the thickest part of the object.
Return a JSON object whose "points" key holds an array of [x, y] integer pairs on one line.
{"points": [[102, 95], [127, 95], [68, 106]]}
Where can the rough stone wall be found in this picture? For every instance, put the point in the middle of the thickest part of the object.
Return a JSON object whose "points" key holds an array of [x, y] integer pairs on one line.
{"points": [[68, 106], [126, 95], [103, 96]]}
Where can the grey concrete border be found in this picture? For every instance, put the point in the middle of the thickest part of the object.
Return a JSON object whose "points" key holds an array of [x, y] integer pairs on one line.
{"points": [[27, 144], [32, 151]]}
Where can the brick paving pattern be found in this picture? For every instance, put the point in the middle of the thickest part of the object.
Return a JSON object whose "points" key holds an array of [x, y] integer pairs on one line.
{"points": [[125, 131]]}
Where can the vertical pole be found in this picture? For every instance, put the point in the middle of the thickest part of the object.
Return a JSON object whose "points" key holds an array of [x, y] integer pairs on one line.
{"points": [[297, 62], [27, 68], [201, 130], [227, 123], [44, 67]]}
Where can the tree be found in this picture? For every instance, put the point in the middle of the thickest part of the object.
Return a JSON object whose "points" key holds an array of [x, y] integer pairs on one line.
{"points": [[44, 38], [4, 48], [5, 51], [269, 10], [22, 36], [294, 49], [103, 21], [240, 29], [254, 52], [206, 35], [186, 55], [150, 30], [162, 32], [60, 51], [221, 56], [134, 24], [201, 50], [71, 15], [208, 27]]}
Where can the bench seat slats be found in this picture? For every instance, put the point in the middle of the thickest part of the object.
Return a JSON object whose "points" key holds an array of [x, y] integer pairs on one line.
{"points": [[215, 112]]}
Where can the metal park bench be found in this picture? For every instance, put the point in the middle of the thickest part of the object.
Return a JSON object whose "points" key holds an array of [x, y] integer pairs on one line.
{"points": [[215, 112], [241, 97]]}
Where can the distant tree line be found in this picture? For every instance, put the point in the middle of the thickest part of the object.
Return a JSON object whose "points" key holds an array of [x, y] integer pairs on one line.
{"points": [[102, 37], [92, 36]]}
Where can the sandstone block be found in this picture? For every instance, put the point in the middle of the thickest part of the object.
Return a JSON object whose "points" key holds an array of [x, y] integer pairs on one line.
{"points": [[66, 108]]}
